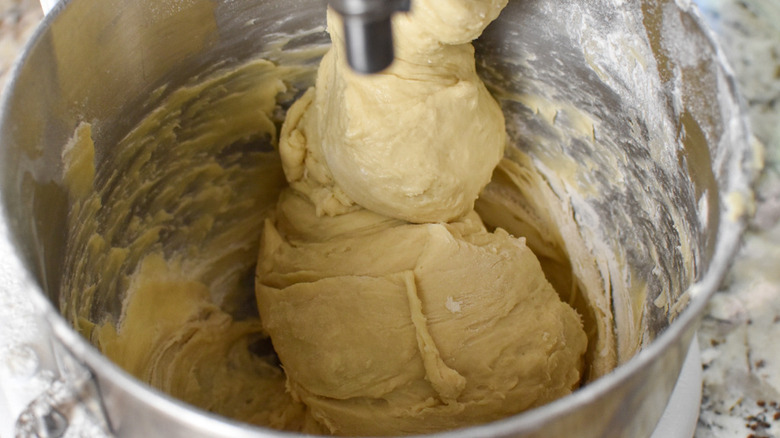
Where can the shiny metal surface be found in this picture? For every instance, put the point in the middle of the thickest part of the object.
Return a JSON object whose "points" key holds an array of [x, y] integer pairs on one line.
{"points": [[368, 35], [669, 162]]}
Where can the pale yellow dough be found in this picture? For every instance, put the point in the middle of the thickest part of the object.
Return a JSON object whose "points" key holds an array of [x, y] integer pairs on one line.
{"points": [[390, 306], [417, 142], [390, 328], [158, 259], [178, 341]]}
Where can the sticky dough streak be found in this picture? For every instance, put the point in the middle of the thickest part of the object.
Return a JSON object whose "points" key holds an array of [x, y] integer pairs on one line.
{"points": [[447, 382]]}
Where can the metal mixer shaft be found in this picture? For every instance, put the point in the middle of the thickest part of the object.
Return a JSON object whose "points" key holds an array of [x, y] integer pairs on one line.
{"points": [[368, 32]]}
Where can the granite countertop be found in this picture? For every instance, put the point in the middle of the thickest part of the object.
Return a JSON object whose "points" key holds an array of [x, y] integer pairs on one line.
{"points": [[18, 19], [739, 332], [740, 360]]}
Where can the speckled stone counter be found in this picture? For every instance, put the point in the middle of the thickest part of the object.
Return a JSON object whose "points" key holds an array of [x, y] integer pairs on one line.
{"points": [[740, 332], [18, 19]]}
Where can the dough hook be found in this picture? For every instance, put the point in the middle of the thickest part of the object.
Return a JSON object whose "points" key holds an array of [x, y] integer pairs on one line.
{"points": [[368, 32]]}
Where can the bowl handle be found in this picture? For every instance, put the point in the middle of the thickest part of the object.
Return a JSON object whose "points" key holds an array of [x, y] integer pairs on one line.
{"points": [[72, 400]]}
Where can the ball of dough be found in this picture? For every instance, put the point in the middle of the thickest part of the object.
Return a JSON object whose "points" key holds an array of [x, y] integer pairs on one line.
{"points": [[417, 142], [386, 328]]}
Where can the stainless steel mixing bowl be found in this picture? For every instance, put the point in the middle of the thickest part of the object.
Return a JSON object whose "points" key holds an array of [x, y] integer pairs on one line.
{"points": [[633, 98]]}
